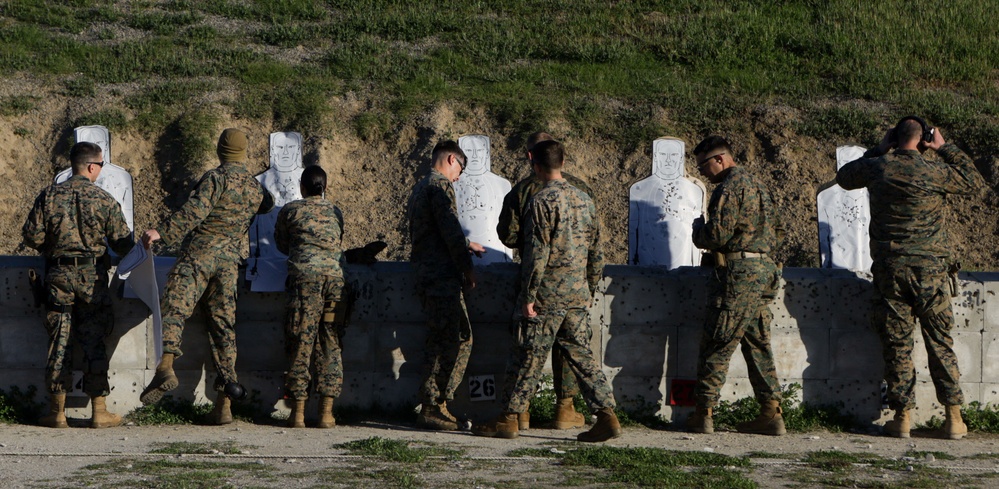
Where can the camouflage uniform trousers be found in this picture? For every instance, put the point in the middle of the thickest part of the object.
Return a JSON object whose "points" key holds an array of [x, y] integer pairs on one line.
{"points": [[909, 288], [214, 277], [738, 313], [449, 343], [313, 345], [564, 380], [567, 330], [79, 310]]}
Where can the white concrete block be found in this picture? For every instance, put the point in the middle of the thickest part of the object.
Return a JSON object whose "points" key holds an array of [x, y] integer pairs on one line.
{"points": [[126, 346], [967, 348], [855, 353], [260, 345]]}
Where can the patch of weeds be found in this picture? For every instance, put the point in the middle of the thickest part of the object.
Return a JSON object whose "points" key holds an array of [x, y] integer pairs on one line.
{"points": [[210, 448], [286, 35], [784, 456], [849, 123], [372, 125], [17, 105], [396, 450], [18, 406], [655, 467], [979, 418], [113, 119], [169, 411], [169, 473], [798, 416], [399, 477], [80, 86], [837, 461], [983, 456], [22, 131]]}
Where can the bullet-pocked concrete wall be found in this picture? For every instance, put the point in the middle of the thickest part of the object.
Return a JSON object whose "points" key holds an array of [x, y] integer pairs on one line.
{"points": [[646, 326]]}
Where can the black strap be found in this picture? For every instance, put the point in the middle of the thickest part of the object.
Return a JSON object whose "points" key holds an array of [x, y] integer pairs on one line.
{"points": [[75, 260]]}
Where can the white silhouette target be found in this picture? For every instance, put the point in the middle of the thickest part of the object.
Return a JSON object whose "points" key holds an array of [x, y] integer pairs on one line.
{"points": [[662, 211], [113, 178], [844, 220], [267, 267], [479, 194]]}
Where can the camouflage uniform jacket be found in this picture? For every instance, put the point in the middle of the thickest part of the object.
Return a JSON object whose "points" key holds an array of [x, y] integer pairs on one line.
{"points": [[73, 219], [310, 232], [563, 260], [741, 216], [218, 213], [440, 250], [908, 194], [515, 204]]}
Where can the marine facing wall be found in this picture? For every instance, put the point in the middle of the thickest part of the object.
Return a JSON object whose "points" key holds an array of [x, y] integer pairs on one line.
{"points": [[646, 328]]}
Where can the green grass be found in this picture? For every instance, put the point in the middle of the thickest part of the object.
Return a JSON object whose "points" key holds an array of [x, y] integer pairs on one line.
{"points": [[397, 450], [798, 416], [170, 411], [169, 474], [979, 418], [627, 71], [655, 467]]}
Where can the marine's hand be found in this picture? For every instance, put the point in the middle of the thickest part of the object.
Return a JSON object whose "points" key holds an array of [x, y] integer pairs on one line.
{"points": [[529, 310], [469, 280], [887, 142], [149, 237], [476, 248], [698, 224], [938, 140]]}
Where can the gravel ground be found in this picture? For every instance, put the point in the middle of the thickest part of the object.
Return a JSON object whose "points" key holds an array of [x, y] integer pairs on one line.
{"points": [[32, 456]]}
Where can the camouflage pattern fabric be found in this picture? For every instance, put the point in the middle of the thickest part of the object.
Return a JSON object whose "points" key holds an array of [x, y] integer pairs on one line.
{"points": [[448, 346], [908, 198], [440, 254], [73, 219], [217, 216], [738, 313], [568, 331], [563, 260], [741, 217], [310, 232], [439, 258], [911, 255], [562, 264], [508, 229], [313, 345], [515, 204], [910, 287]]}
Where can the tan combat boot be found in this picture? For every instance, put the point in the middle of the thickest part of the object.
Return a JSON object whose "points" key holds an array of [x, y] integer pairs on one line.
{"points": [[326, 419], [222, 412], [524, 418], [505, 425], [769, 422], [447, 414], [101, 418], [57, 412], [954, 427], [606, 427], [297, 417], [700, 421], [898, 427], [566, 417], [163, 381], [431, 418]]}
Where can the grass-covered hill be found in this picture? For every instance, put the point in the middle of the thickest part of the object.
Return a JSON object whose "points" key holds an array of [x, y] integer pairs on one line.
{"points": [[372, 86]]}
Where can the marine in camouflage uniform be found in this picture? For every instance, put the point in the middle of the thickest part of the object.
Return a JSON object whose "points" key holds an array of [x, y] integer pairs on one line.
{"points": [[215, 220], [741, 229], [71, 224], [911, 252], [310, 232], [442, 265], [561, 266], [509, 231]]}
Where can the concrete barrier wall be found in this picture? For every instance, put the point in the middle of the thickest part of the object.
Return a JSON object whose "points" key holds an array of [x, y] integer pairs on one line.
{"points": [[646, 329]]}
